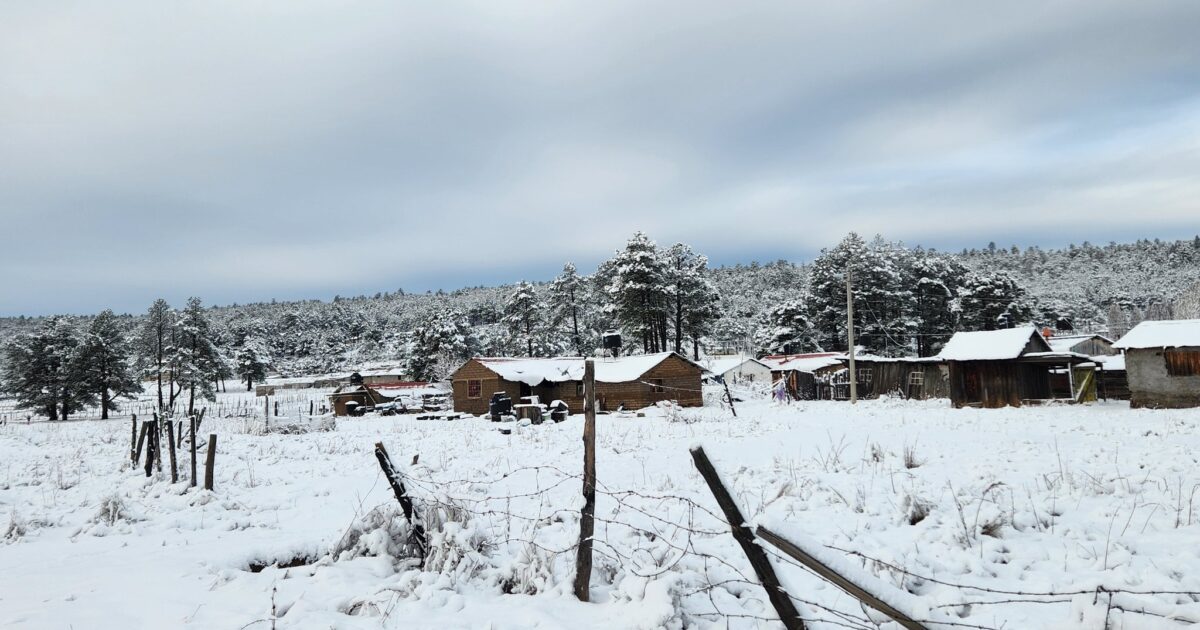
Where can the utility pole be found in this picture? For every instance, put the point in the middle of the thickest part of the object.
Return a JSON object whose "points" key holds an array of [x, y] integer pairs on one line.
{"points": [[850, 337]]}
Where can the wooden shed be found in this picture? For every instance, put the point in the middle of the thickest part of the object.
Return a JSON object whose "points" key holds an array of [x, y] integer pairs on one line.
{"points": [[348, 397], [905, 377], [802, 374], [631, 382], [1162, 361], [1093, 345], [1011, 367]]}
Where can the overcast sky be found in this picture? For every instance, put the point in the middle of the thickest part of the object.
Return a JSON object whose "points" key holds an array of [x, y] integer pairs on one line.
{"points": [[246, 150]]}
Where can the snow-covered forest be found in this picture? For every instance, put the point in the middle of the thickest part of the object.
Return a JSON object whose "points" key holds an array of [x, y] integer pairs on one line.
{"points": [[909, 301]]}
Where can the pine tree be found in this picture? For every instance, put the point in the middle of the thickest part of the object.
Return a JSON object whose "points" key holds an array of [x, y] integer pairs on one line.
{"points": [[992, 302], [637, 292], [104, 357], [693, 300], [154, 343], [195, 357], [567, 294], [523, 317], [43, 371], [786, 329], [251, 363], [935, 280], [439, 344], [882, 301]]}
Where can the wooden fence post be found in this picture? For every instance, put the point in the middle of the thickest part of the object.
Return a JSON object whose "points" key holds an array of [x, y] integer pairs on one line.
{"points": [[192, 448], [729, 396], [157, 435], [142, 439], [211, 462], [133, 442], [587, 516], [417, 538], [171, 450], [818, 567], [742, 534], [151, 431]]}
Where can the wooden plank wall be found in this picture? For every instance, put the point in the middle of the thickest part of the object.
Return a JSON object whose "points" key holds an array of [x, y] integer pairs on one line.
{"points": [[680, 379]]}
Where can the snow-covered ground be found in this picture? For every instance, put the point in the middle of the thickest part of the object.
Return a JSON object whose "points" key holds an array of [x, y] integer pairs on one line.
{"points": [[1037, 500]]}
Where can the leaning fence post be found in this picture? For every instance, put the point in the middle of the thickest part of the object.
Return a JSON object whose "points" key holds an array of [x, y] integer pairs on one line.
{"points": [[729, 396], [742, 534], [211, 462], [142, 439], [816, 566], [417, 538], [587, 516]]}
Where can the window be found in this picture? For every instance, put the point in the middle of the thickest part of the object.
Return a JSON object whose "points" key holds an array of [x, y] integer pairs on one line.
{"points": [[474, 388], [579, 389], [864, 374], [916, 384], [1182, 362], [657, 385]]}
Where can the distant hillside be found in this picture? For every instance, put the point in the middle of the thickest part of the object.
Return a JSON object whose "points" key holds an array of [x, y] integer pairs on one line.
{"points": [[1141, 278]]}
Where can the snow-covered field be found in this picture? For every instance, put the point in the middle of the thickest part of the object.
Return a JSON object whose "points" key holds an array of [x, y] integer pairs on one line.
{"points": [[1037, 500]]}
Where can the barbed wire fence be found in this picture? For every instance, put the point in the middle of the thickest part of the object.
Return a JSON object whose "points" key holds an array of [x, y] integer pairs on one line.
{"points": [[650, 535]]}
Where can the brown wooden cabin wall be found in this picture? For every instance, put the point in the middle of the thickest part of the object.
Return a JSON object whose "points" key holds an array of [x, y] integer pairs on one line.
{"points": [[1093, 347], [680, 379], [1001, 383], [892, 378], [490, 383], [1113, 384]]}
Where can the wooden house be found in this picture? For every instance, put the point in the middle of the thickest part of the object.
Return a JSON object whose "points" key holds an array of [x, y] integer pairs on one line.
{"points": [[904, 377], [1162, 360], [801, 374], [348, 398], [631, 382], [1011, 367]]}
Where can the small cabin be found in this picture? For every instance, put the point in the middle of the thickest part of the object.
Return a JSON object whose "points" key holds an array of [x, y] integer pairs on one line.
{"points": [[348, 399], [1162, 363], [1012, 367], [739, 370], [802, 375], [1090, 345], [631, 382]]}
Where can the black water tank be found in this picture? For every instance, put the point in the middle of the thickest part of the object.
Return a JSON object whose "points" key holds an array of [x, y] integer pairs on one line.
{"points": [[612, 341]]}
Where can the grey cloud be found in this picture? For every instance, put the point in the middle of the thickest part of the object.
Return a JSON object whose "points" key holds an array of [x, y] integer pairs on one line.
{"points": [[250, 150]]}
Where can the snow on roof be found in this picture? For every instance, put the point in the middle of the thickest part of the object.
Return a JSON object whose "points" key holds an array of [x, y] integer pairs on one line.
{"points": [[1064, 343], [560, 369], [803, 362], [1115, 362], [725, 364], [988, 345], [1169, 333]]}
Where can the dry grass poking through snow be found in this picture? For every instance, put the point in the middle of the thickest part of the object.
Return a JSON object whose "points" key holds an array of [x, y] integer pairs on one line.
{"points": [[931, 499]]}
